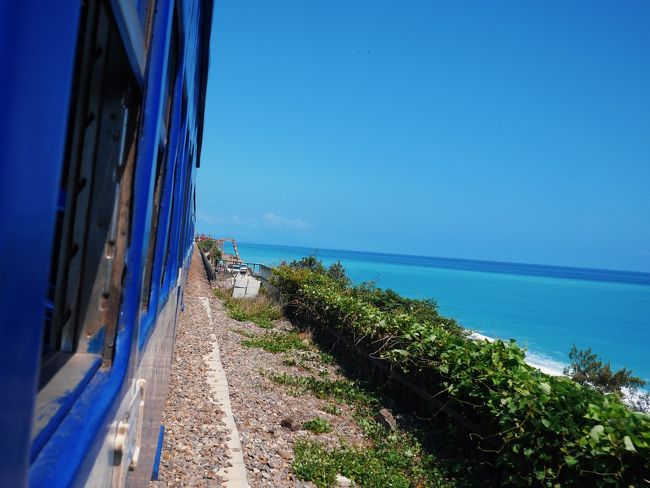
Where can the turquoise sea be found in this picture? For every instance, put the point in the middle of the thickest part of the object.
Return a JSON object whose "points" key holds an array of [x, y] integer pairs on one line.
{"points": [[544, 308]]}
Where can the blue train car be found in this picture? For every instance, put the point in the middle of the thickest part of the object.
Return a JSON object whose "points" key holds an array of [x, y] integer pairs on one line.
{"points": [[101, 119]]}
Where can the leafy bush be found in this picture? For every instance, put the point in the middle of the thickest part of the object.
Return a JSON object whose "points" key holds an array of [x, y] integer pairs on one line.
{"points": [[311, 263], [336, 272], [585, 368], [537, 429], [209, 247], [424, 310]]}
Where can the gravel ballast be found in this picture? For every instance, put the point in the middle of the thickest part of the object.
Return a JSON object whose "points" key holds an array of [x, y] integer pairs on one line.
{"points": [[194, 447], [268, 417]]}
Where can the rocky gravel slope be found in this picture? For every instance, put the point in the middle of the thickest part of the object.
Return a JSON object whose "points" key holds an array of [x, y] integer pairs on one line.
{"points": [[269, 417]]}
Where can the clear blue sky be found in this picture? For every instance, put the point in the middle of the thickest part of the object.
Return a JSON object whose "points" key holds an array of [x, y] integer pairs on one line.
{"points": [[510, 131]]}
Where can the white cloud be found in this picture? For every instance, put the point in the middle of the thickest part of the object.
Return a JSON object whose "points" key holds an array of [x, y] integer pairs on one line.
{"points": [[244, 222], [278, 222], [209, 219], [269, 220]]}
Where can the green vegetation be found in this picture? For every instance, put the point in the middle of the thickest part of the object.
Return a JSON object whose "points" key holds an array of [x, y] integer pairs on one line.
{"points": [[387, 463], [327, 358], [260, 310], [242, 332], [289, 362], [336, 272], [332, 409], [344, 391], [209, 247], [318, 425], [585, 368], [389, 459], [277, 342], [534, 428], [307, 359], [389, 301]]}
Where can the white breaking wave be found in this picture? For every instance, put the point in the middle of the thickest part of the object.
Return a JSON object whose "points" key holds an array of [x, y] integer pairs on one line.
{"points": [[545, 364]]}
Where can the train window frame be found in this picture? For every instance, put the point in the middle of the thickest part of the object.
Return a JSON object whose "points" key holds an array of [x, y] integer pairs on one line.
{"points": [[186, 194], [170, 122], [93, 227], [168, 267], [172, 221], [149, 289]]}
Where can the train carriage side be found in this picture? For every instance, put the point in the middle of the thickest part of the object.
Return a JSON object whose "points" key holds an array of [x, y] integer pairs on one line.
{"points": [[102, 118]]}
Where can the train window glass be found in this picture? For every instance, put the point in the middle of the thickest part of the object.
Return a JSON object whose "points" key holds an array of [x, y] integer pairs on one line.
{"points": [[177, 193], [161, 164], [186, 198], [171, 224], [160, 175], [93, 221]]}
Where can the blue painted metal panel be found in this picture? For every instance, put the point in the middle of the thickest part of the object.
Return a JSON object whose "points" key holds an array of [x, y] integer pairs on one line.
{"points": [[82, 432], [64, 402], [156, 463], [37, 49], [37, 54]]}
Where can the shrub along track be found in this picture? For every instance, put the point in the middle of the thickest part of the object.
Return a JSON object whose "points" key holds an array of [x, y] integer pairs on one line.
{"points": [[300, 416], [548, 431]]}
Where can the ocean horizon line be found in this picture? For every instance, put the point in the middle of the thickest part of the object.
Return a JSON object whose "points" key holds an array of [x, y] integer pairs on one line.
{"points": [[465, 264]]}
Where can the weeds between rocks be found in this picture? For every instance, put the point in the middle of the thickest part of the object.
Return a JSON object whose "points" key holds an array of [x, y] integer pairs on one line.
{"points": [[260, 310], [332, 409], [318, 425], [277, 342], [385, 458], [344, 391], [242, 332], [392, 458]]}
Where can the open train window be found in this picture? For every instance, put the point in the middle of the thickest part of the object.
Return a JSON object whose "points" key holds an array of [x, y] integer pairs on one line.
{"points": [[93, 220], [161, 166]]}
